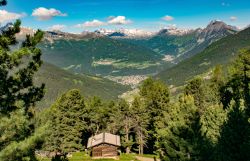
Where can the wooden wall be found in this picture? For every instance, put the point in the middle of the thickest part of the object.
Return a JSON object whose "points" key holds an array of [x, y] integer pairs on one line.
{"points": [[104, 150]]}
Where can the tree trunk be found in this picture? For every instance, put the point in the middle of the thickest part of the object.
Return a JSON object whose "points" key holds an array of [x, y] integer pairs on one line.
{"points": [[127, 135], [141, 141]]}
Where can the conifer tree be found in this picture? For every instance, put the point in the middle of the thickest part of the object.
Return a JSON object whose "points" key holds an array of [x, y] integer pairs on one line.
{"points": [[234, 141], [195, 89], [18, 94], [141, 121], [67, 124], [17, 69], [124, 118], [178, 137], [155, 96]]}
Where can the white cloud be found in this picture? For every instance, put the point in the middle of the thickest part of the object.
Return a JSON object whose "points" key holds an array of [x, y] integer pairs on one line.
{"points": [[57, 27], [94, 23], [9, 16], [233, 18], [168, 18], [119, 20], [45, 14]]}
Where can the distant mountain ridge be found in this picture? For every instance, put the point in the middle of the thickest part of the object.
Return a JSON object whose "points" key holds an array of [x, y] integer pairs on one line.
{"points": [[125, 33], [99, 55], [113, 54], [182, 44], [220, 52]]}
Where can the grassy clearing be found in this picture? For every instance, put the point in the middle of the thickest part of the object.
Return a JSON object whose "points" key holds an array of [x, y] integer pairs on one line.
{"points": [[81, 156], [150, 156]]}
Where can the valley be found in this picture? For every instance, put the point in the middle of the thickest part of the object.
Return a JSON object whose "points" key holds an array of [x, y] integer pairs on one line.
{"points": [[118, 61], [129, 57]]}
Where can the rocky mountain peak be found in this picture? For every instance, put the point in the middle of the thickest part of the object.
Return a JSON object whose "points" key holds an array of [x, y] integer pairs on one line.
{"points": [[217, 26], [174, 31], [214, 31]]}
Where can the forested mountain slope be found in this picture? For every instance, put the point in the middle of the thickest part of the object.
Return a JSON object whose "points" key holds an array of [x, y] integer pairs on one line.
{"points": [[184, 44], [220, 52], [100, 55], [58, 81]]}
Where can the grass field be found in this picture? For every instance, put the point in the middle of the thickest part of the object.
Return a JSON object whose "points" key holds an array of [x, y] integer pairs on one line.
{"points": [[80, 156]]}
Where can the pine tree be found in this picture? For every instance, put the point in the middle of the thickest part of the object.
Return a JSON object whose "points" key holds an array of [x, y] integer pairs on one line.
{"points": [[98, 115], [67, 124], [17, 69], [215, 84], [195, 88], [178, 139], [141, 121], [124, 118], [18, 94], [155, 96], [234, 141]]}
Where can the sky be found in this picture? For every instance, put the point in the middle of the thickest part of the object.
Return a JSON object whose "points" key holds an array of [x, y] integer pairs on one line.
{"points": [[88, 15]]}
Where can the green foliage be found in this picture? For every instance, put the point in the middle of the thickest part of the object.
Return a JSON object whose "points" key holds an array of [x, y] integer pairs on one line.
{"points": [[196, 127], [233, 144], [58, 81], [141, 120], [99, 113], [18, 138], [16, 75], [122, 121], [155, 97], [24, 149], [237, 87], [195, 88], [80, 56], [212, 120], [177, 135], [234, 140], [67, 123]]}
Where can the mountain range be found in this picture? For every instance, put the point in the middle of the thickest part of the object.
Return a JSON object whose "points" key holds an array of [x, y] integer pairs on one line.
{"points": [[221, 52], [117, 53], [87, 60]]}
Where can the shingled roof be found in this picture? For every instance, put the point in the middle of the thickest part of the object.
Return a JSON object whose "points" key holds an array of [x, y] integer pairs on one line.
{"points": [[104, 138]]}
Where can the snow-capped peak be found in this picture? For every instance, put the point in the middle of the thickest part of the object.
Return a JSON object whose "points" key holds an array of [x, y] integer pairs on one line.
{"points": [[173, 30], [126, 33]]}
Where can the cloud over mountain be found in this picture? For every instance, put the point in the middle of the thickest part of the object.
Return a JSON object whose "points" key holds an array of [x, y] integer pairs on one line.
{"points": [[233, 18], [57, 27], [94, 23], [9, 16], [168, 18], [119, 20], [42, 13]]}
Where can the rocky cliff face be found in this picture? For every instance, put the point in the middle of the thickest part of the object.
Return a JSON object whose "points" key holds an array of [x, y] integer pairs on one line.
{"points": [[215, 31]]}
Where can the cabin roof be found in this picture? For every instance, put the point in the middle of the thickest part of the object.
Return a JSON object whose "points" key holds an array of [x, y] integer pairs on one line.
{"points": [[104, 138]]}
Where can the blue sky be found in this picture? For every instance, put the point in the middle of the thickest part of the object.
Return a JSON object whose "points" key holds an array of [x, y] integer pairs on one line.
{"points": [[79, 15]]}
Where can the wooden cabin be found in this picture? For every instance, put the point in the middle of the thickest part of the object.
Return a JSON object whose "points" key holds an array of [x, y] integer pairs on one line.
{"points": [[104, 145]]}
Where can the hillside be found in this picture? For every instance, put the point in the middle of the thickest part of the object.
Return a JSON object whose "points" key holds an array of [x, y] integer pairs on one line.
{"points": [[58, 81], [220, 52], [100, 56], [180, 45]]}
